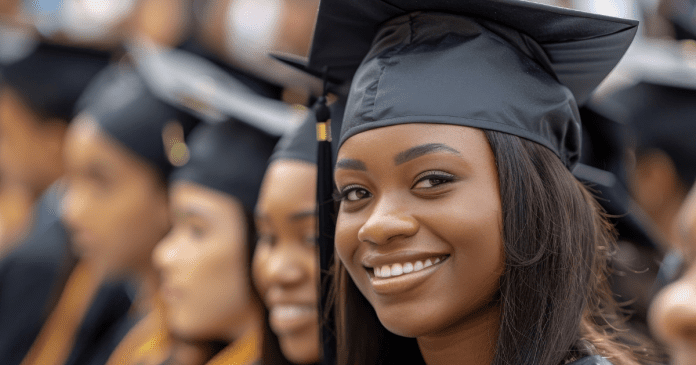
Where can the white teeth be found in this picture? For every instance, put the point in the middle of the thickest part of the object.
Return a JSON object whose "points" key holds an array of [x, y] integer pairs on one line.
{"points": [[290, 311], [388, 271]]}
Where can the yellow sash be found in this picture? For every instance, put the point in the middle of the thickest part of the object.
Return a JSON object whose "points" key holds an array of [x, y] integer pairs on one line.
{"points": [[244, 351], [55, 341], [148, 343]]}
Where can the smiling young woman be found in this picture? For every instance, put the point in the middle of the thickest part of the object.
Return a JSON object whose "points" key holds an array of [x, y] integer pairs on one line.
{"points": [[462, 236]]}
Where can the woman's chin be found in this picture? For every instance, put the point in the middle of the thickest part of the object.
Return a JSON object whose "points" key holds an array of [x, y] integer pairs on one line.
{"points": [[300, 350]]}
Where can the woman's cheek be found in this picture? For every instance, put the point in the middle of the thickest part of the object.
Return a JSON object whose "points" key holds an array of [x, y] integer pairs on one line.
{"points": [[259, 267]]}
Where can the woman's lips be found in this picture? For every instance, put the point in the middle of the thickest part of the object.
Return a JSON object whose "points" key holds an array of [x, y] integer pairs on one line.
{"points": [[403, 276], [287, 318]]}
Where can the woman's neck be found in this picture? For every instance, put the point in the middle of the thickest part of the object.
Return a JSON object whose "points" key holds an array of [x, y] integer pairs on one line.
{"points": [[253, 319], [472, 341], [146, 281]]}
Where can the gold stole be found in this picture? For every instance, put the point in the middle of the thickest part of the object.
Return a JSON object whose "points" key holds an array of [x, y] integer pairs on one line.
{"points": [[148, 343], [244, 351], [55, 341]]}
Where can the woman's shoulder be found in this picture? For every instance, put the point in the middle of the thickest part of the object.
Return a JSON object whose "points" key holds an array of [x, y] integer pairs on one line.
{"points": [[591, 360]]}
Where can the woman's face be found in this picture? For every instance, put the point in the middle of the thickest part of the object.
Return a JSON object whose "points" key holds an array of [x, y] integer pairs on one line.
{"points": [[285, 261], [420, 222], [204, 267], [115, 204], [672, 316]]}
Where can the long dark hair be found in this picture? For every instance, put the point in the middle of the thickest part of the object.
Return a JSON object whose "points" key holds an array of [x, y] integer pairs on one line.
{"points": [[554, 297]]}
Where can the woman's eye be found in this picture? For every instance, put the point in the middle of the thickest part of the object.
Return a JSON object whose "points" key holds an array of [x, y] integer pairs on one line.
{"points": [[265, 239], [432, 179], [354, 193]]}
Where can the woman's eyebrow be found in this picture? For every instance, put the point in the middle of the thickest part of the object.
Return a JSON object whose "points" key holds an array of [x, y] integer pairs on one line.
{"points": [[421, 150], [302, 215], [350, 164]]}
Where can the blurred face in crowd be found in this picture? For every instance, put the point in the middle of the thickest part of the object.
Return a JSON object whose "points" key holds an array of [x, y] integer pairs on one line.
{"points": [[116, 204], [30, 147], [285, 264], [204, 266], [419, 227], [164, 21], [673, 313]]}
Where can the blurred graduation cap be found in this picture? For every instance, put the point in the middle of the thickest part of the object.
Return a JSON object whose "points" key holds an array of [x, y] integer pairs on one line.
{"points": [[48, 77], [602, 167], [229, 157], [660, 106], [122, 104], [506, 65], [682, 15], [184, 78]]}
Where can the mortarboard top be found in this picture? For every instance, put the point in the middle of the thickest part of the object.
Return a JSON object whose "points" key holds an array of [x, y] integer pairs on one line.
{"points": [[506, 65], [48, 76]]}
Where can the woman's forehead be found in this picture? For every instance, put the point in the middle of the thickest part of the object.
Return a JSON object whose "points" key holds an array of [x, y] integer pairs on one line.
{"points": [[404, 142]]}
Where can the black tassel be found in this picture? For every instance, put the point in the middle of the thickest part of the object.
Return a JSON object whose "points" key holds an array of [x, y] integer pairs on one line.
{"points": [[326, 225]]}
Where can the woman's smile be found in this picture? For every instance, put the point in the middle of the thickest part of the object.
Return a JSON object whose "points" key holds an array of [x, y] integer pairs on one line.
{"points": [[403, 276]]}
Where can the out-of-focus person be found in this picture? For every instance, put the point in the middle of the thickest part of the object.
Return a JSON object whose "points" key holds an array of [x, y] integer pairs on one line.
{"points": [[673, 313], [604, 167], [660, 113], [15, 209], [205, 261], [118, 162], [285, 265], [41, 82]]}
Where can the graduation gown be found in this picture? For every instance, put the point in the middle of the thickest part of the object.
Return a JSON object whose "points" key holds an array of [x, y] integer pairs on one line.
{"points": [[244, 351], [31, 277], [85, 325]]}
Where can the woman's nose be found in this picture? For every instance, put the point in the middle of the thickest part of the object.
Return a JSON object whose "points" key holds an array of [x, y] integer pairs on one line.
{"points": [[284, 266], [388, 220], [72, 207]]}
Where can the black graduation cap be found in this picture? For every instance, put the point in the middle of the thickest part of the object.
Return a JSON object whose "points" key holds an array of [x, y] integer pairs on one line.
{"points": [[51, 77], [123, 105], [229, 157], [506, 65]]}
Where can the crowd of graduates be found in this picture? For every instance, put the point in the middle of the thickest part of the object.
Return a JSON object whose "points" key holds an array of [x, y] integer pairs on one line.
{"points": [[345, 182]]}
